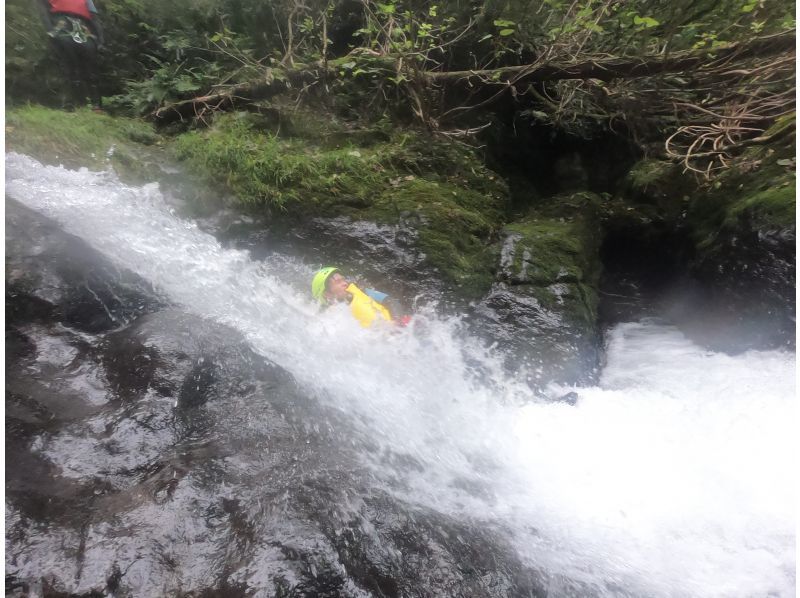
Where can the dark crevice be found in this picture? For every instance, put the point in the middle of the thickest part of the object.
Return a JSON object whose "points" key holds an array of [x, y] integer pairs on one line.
{"points": [[541, 160], [640, 265]]}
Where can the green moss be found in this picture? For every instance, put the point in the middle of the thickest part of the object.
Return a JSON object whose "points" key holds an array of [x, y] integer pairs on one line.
{"points": [[652, 191], [443, 205], [784, 124], [458, 203], [457, 225], [265, 167], [555, 257], [757, 194], [569, 206], [265, 170], [80, 138], [772, 208], [551, 251]]}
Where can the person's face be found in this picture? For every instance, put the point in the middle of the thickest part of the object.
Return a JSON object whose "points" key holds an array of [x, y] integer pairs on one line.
{"points": [[337, 287]]}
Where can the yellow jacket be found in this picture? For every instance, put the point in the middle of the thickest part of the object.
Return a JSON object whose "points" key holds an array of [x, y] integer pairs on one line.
{"points": [[365, 309]]}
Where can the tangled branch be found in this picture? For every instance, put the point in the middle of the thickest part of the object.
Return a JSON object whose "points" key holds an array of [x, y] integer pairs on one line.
{"points": [[713, 132]]}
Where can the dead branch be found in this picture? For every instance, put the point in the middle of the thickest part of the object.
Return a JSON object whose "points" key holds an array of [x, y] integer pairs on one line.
{"points": [[616, 68], [244, 93]]}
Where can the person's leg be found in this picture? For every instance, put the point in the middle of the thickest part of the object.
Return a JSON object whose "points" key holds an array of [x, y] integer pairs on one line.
{"points": [[66, 54], [89, 72]]}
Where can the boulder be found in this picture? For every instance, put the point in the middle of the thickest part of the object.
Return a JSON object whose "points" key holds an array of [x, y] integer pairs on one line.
{"points": [[57, 277], [150, 451], [542, 309], [744, 231], [716, 257]]}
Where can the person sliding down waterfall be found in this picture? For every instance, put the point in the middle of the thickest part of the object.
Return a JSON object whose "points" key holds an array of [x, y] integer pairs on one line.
{"points": [[329, 286]]}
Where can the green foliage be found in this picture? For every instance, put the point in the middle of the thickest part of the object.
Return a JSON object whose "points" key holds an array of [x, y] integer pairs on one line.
{"points": [[25, 41], [623, 27], [458, 201], [169, 82], [159, 51], [30, 71], [645, 22], [264, 169], [405, 30], [184, 62]]}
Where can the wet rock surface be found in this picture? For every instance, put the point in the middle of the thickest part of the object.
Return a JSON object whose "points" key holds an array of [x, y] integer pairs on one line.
{"points": [[386, 254], [745, 290], [718, 259], [542, 344], [63, 279], [151, 452], [542, 310]]}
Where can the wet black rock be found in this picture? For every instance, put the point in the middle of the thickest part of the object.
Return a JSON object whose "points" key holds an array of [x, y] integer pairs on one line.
{"points": [[60, 277], [386, 253], [742, 293], [542, 310], [539, 342], [178, 355], [152, 452]]}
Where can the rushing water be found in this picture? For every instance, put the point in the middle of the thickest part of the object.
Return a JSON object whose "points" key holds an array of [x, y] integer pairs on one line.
{"points": [[673, 477]]}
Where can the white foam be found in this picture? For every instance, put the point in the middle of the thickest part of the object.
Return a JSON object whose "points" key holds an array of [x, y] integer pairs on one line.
{"points": [[673, 477]]}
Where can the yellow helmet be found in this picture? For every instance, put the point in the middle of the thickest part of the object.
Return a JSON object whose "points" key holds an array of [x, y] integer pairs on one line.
{"points": [[319, 281]]}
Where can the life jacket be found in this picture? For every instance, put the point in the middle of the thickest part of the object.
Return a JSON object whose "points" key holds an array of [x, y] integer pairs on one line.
{"points": [[76, 8], [365, 309]]}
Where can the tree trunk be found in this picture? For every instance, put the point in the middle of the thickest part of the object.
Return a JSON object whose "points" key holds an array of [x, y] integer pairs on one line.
{"points": [[617, 68], [273, 83], [276, 81]]}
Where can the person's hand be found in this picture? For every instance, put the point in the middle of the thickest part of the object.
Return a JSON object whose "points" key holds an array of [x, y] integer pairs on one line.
{"points": [[403, 321]]}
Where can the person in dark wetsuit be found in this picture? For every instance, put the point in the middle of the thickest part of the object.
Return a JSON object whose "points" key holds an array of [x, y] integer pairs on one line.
{"points": [[76, 36]]}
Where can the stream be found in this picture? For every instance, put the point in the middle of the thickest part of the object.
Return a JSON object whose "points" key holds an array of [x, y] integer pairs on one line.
{"points": [[216, 431]]}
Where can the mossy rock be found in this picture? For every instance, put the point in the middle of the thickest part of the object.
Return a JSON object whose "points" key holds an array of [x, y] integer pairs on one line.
{"points": [[556, 256], [546, 290], [783, 126], [744, 230], [457, 225], [83, 139], [745, 205], [757, 194], [769, 209], [458, 203], [647, 173], [653, 191]]}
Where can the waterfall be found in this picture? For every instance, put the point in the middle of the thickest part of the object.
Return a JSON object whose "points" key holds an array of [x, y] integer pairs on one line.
{"points": [[674, 476]]}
